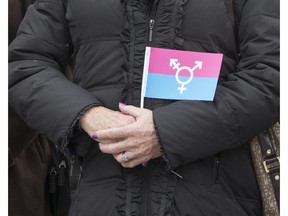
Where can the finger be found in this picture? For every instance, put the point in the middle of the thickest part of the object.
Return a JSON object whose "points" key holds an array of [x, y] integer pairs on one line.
{"points": [[129, 110], [129, 159], [94, 136], [123, 157], [113, 148], [104, 141], [113, 133], [109, 141], [131, 163], [145, 164]]}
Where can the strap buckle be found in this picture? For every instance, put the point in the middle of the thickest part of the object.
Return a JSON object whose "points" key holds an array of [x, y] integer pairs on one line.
{"points": [[272, 164]]}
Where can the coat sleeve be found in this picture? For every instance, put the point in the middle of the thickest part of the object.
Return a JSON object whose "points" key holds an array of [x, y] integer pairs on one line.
{"points": [[38, 89], [244, 104]]}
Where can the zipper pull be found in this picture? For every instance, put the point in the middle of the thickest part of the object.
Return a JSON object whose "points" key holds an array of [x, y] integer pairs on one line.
{"points": [[52, 180], [151, 26], [61, 175], [217, 164], [72, 160]]}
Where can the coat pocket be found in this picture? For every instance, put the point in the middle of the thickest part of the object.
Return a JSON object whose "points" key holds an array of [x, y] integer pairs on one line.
{"points": [[202, 172]]}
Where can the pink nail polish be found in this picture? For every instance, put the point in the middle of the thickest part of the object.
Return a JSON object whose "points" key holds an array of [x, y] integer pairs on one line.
{"points": [[94, 136], [122, 104]]}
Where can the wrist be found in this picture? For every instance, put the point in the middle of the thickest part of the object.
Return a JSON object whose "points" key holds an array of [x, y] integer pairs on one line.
{"points": [[88, 115]]}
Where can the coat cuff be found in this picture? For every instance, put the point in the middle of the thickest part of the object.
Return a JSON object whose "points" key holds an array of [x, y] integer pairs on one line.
{"points": [[168, 166], [74, 129]]}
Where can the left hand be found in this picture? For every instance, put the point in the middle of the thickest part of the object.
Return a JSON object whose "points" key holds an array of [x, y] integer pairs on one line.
{"points": [[138, 140]]}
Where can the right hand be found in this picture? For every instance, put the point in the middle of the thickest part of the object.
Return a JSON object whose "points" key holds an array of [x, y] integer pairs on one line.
{"points": [[100, 118]]}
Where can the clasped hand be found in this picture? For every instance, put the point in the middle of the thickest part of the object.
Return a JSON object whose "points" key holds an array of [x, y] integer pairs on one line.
{"points": [[130, 132]]}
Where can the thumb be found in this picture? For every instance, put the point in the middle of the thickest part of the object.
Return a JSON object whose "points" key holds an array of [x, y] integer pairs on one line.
{"points": [[129, 110]]}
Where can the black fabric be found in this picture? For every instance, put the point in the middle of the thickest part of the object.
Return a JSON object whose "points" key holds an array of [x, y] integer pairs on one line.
{"points": [[25, 135], [29, 154], [109, 39], [149, 4], [232, 14], [24, 5], [60, 171], [28, 186]]}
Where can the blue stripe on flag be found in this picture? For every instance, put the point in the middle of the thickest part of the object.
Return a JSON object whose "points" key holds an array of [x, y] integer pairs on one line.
{"points": [[166, 87]]}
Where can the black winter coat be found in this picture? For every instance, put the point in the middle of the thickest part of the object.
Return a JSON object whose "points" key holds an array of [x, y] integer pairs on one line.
{"points": [[205, 142]]}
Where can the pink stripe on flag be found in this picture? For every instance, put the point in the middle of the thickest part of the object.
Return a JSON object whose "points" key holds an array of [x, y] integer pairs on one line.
{"points": [[160, 62]]}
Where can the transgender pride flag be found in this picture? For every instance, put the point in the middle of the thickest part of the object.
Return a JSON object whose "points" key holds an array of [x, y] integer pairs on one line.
{"points": [[180, 75]]}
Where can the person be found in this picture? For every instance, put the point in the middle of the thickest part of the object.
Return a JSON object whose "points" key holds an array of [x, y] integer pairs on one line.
{"points": [[172, 157], [29, 154]]}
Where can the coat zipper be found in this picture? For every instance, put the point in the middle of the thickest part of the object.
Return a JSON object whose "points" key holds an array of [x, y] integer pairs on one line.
{"points": [[61, 173], [147, 193], [152, 16], [151, 26], [53, 180]]}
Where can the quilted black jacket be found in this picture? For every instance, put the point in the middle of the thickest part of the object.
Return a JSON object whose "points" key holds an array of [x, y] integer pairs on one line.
{"points": [[205, 142]]}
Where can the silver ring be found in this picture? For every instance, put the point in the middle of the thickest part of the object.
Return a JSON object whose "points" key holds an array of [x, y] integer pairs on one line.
{"points": [[124, 157]]}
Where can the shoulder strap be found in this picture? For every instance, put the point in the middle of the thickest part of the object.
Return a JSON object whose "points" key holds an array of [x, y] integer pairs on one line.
{"points": [[231, 12]]}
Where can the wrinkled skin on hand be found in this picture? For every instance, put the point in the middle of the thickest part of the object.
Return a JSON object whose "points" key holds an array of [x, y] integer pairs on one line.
{"points": [[138, 140], [99, 118]]}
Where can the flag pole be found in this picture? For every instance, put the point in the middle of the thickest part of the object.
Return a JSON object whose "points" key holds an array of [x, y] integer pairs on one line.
{"points": [[145, 75]]}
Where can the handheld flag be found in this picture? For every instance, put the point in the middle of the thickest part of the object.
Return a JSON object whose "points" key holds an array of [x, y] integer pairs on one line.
{"points": [[180, 75]]}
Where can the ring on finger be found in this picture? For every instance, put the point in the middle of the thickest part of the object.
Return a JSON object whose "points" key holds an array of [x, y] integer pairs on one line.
{"points": [[124, 157]]}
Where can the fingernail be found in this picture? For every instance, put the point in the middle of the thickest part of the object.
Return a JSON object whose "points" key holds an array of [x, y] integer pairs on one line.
{"points": [[122, 104], [94, 136], [145, 164]]}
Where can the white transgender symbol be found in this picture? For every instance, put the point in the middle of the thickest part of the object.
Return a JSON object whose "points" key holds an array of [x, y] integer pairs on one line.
{"points": [[176, 65]]}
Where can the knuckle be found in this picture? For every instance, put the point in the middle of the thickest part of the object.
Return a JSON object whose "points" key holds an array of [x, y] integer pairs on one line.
{"points": [[141, 131], [137, 154], [113, 149]]}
